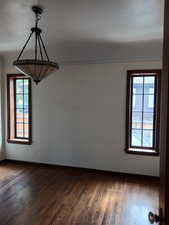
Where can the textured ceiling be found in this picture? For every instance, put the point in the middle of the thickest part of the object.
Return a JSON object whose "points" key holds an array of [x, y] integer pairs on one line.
{"points": [[87, 30]]}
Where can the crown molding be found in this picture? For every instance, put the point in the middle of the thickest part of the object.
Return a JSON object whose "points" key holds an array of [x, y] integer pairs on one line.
{"points": [[110, 60], [96, 60]]}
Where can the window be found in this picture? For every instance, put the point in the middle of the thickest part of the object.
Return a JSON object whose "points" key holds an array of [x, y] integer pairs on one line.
{"points": [[143, 103], [19, 109]]}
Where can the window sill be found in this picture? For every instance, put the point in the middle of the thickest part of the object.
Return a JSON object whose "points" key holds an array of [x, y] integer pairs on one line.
{"points": [[19, 141], [140, 151]]}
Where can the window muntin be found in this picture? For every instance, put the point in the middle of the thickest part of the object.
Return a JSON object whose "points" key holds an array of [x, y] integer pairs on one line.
{"points": [[19, 109], [142, 111]]}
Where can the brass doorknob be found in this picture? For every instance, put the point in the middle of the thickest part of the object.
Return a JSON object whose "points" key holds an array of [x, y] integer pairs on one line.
{"points": [[153, 218]]}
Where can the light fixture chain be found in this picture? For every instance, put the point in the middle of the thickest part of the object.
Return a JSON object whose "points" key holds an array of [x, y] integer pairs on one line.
{"points": [[38, 17], [36, 39], [40, 48]]}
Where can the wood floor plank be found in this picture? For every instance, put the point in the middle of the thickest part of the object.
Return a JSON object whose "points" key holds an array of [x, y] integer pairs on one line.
{"points": [[44, 195]]}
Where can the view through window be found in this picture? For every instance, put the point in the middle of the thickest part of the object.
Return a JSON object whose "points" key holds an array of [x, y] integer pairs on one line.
{"points": [[22, 108], [19, 109], [142, 111]]}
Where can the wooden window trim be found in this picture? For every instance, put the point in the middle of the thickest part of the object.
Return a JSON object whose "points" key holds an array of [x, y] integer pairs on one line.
{"points": [[140, 150], [18, 140]]}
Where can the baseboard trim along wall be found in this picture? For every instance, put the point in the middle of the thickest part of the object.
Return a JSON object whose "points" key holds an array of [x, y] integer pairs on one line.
{"points": [[39, 164]]}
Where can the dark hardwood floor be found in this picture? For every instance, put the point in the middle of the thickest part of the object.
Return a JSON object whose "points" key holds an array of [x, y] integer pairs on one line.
{"points": [[42, 195]]}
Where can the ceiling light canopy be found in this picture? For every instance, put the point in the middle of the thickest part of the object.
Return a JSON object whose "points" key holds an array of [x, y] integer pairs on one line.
{"points": [[36, 68]]}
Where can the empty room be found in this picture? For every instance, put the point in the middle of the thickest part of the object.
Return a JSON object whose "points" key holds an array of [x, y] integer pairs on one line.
{"points": [[84, 112]]}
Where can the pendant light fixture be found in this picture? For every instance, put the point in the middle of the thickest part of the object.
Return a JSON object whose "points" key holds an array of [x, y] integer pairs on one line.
{"points": [[36, 68]]}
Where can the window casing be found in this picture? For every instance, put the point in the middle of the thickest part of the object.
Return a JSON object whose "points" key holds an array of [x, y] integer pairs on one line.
{"points": [[19, 109], [142, 112]]}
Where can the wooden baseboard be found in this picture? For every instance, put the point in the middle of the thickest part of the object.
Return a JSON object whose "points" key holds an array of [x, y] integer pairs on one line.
{"points": [[3, 160], [38, 164]]}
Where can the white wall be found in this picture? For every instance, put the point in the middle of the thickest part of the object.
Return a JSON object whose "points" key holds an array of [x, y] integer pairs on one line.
{"points": [[79, 119]]}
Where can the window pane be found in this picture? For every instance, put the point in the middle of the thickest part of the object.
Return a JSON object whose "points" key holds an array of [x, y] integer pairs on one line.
{"points": [[149, 103], [25, 111], [26, 115], [19, 130], [19, 101], [26, 130], [26, 118], [151, 90], [138, 85], [137, 120], [136, 137], [19, 120], [148, 138], [149, 82], [19, 116], [19, 86], [19, 113], [149, 79], [134, 90], [26, 134], [137, 102], [26, 101], [148, 120], [26, 89]]}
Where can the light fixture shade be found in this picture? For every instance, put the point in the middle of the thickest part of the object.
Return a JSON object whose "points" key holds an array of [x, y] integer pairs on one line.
{"points": [[37, 70]]}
